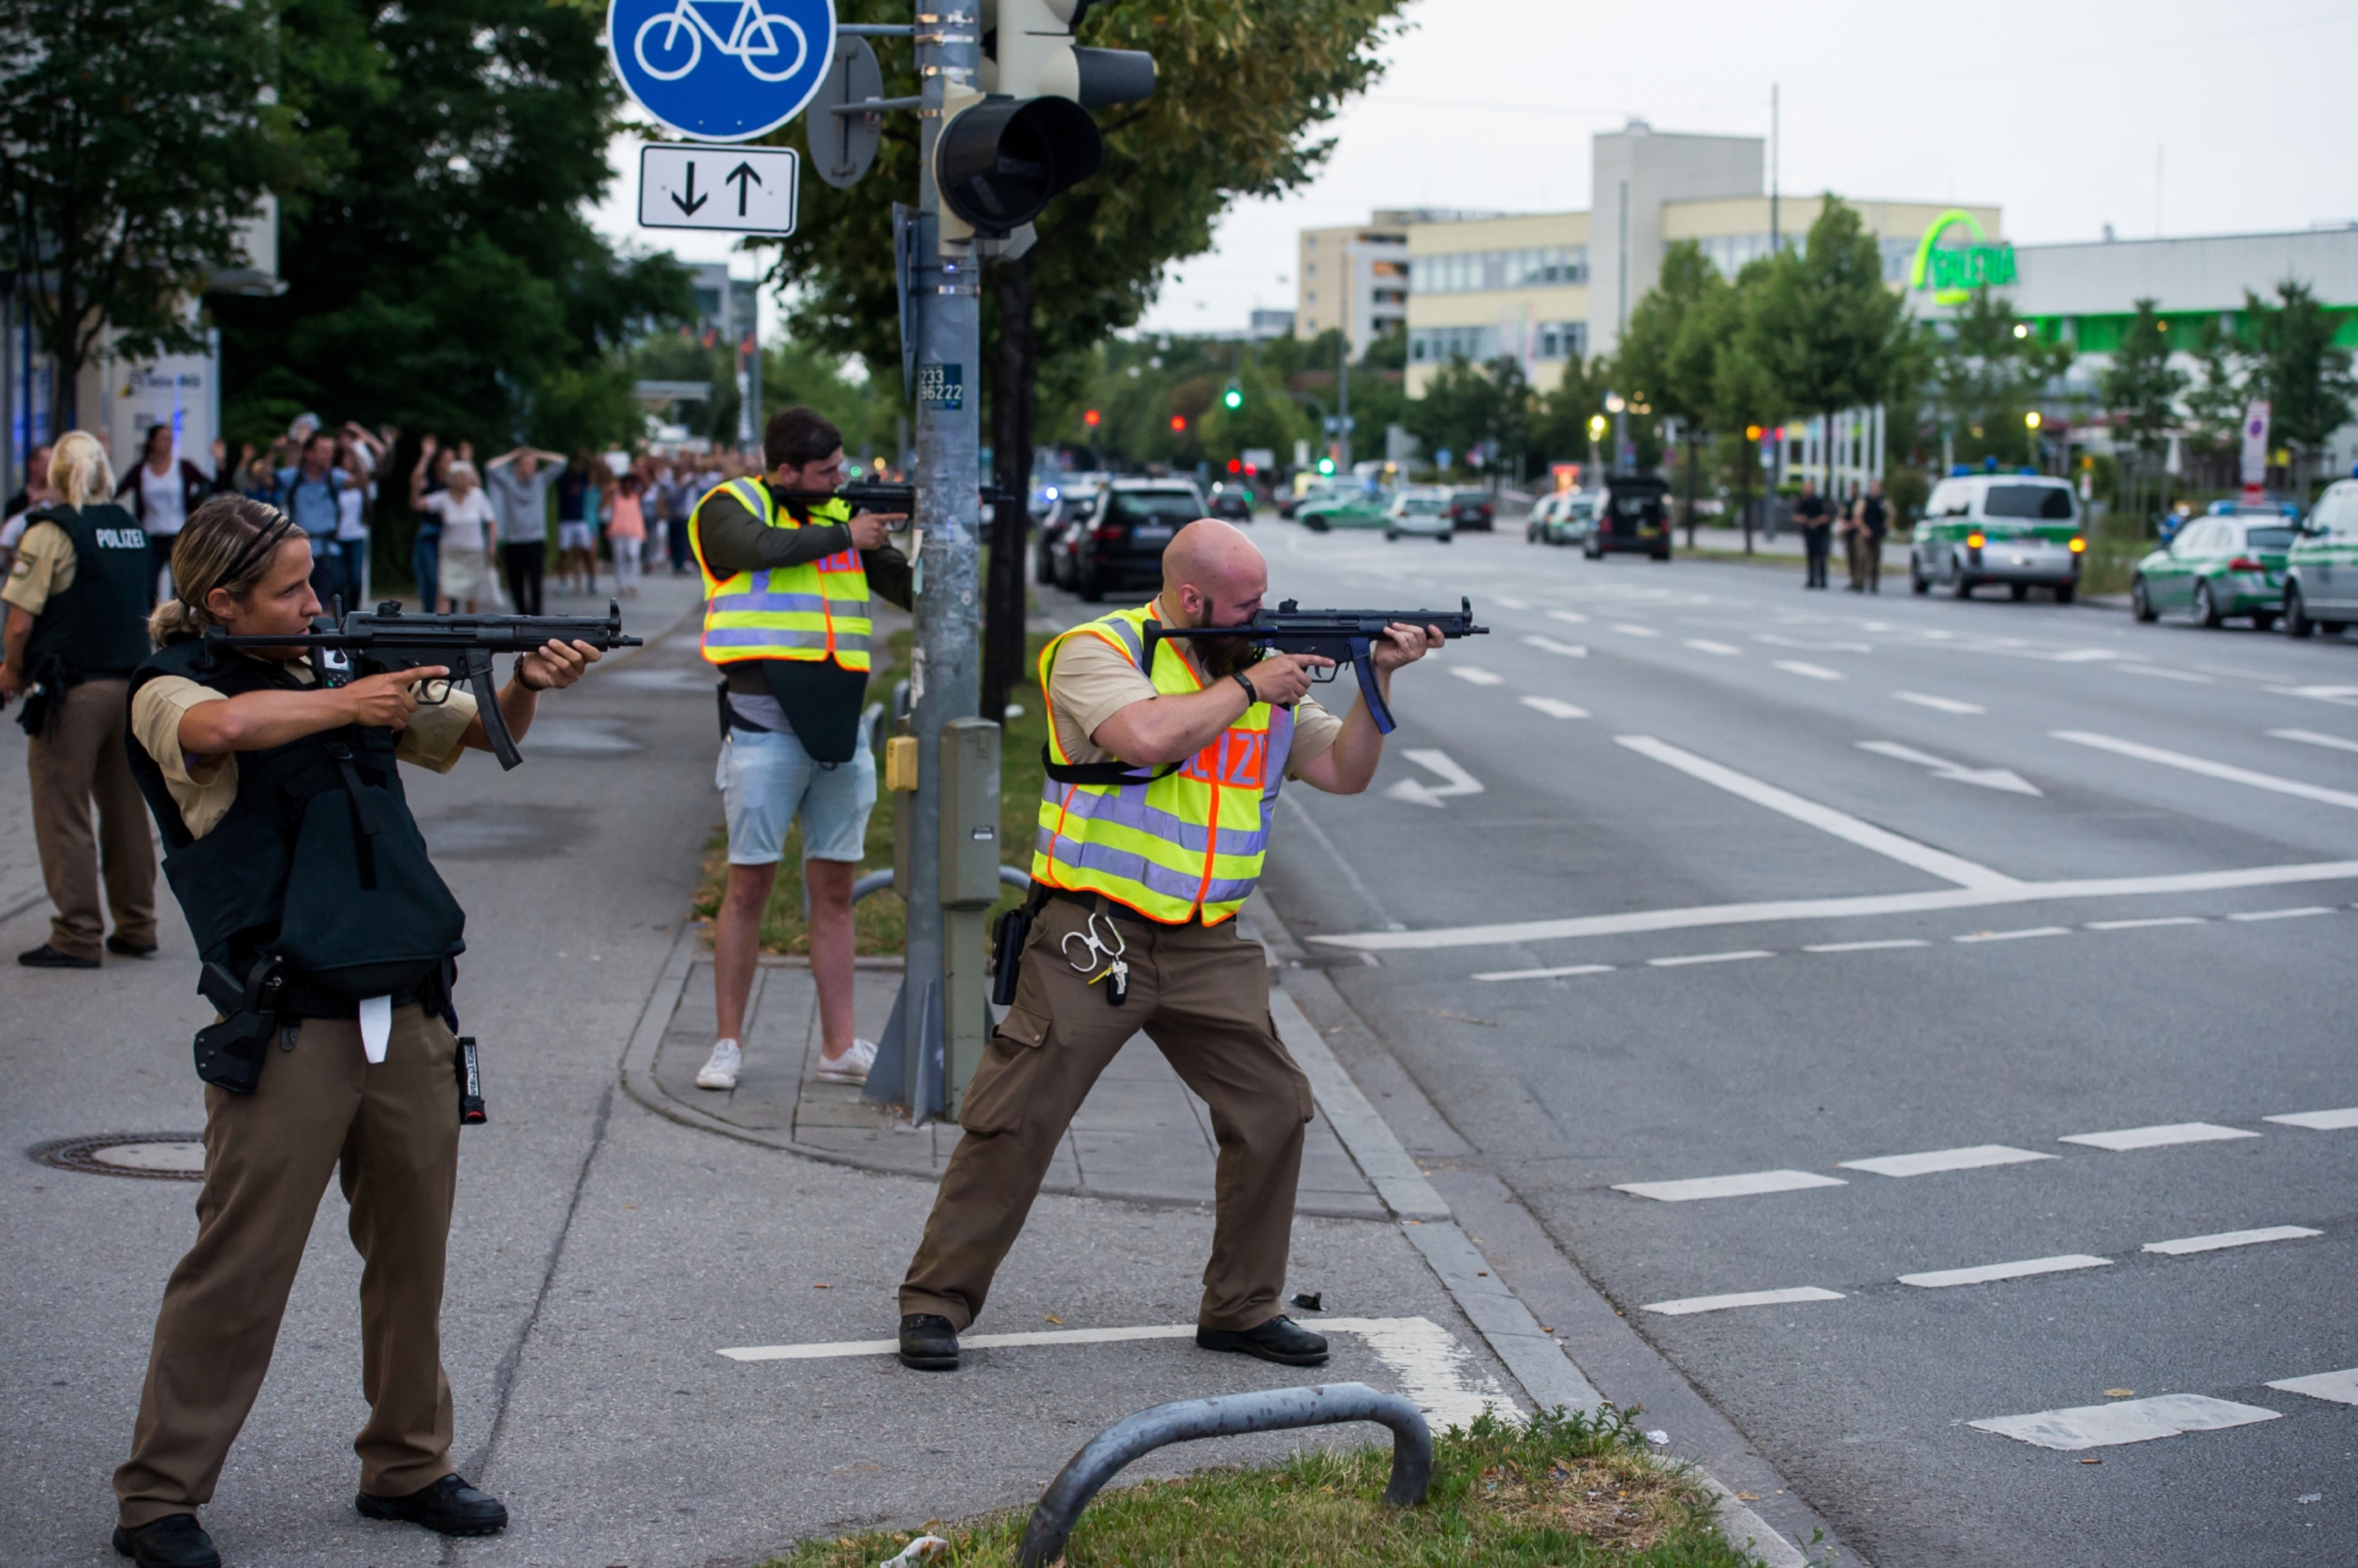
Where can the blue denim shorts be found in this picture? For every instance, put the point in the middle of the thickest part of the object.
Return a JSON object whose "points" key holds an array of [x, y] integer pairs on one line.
{"points": [[769, 780]]}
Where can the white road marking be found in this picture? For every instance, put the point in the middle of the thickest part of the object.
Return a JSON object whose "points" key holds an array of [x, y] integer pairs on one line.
{"points": [[1706, 645], [2014, 935], [1454, 780], [1773, 911], [1685, 958], [1944, 703], [2283, 914], [2209, 769], [1957, 772], [2130, 1420], [1550, 645], [2082, 656], [1939, 1159], [1742, 1299], [1560, 972], [2165, 674], [1943, 1279], [2186, 1244], [1815, 672], [1748, 1184], [1475, 675], [2144, 924], [1569, 617], [2311, 738], [1629, 631], [1502, 600], [2341, 1387], [1774, 641], [1826, 818], [1867, 947], [1555, 707], [2318, 1120], [2345, 695], [2125, 1139]]}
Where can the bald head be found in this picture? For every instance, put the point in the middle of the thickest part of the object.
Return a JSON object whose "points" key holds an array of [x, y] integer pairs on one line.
{"points": [[1212, 575]]}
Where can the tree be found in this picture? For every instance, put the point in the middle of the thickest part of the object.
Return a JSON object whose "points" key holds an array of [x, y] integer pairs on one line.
{"points": [[1241, 88], [1744, 389], [442, 273], [1467, 406], [1669, 354], [1987, 373], [2296, 367], [2140, 387], [1822, 326], [136, 136], [2215, 396]]}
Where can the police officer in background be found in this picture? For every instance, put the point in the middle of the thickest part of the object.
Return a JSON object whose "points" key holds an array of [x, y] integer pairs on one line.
{"points": [[1153, 826], [76, 625], [304, 882]]}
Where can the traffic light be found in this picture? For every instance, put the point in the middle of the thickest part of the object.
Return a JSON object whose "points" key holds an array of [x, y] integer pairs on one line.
{"points": [[1003, 155], [1597, 427], [1234, 397], [1178, 424], [1090, 418]]}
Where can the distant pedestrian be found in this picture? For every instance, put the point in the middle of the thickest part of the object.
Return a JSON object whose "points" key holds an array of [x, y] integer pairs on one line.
{"points": [[78, 598], [679, 506], [354, 463], [162, 491], [1815, 519], [626, 533], [518, 484], [1875, 518], [464, 565], [307, 492]]}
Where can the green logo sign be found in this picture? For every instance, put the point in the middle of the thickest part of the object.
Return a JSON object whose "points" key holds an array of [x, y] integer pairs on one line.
{"points": [[1953, 273]]}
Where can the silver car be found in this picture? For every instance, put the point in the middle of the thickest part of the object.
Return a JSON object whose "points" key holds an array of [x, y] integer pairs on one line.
{"points": [[1420, 514]]}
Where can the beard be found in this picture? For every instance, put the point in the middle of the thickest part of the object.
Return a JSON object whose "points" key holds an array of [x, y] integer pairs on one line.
{"points": [[1225, 656]]}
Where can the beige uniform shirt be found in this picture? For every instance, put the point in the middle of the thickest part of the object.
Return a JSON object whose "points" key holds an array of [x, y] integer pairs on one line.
{"points": [[204, 787], [45, 566], [1091, 680]]}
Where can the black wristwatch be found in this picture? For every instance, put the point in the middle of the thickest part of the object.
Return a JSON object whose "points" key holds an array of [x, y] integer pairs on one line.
{"points": [[1250, 694]]}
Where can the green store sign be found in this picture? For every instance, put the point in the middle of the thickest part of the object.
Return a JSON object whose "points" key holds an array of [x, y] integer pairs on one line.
{"points": [[1953, 272]]}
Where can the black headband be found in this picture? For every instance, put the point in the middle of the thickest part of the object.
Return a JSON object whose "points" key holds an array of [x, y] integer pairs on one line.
{"points": [[266, 538]]}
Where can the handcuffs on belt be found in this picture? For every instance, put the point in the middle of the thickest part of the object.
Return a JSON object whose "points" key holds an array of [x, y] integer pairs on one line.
{"points": [[1108, 952]]}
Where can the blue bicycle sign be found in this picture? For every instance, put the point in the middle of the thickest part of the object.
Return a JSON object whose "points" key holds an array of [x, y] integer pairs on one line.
{"points": [[721, 70]]}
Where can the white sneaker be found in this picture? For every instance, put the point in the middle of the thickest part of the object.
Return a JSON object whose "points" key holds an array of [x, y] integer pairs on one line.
{"points": [[720, 1072], [852, 1067]]}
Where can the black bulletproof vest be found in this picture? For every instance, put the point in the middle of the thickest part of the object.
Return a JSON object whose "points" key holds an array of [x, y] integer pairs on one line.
{"points": [[318, 861], [97, 626]]}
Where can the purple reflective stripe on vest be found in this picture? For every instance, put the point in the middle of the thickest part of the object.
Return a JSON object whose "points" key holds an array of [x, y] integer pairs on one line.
{"points": [[772, 604], [1281, 747], [1127, 807], [1157, 878], [763, 637]]}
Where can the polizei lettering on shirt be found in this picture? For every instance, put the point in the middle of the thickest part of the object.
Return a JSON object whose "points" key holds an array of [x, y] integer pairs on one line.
{"points": [[120, 539]]}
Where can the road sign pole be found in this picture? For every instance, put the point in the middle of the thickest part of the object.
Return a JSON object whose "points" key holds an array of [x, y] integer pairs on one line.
{"points": [[946, 672]]}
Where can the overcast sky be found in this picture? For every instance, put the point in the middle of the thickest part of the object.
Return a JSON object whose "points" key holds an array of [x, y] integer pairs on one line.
{"points": [[2055, 113]]}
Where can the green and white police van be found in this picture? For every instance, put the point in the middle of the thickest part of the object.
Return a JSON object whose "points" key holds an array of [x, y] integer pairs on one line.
{"points": [[2021, 530]]}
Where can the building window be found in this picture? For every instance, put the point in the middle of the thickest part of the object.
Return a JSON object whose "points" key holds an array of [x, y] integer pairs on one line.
{"points": [[1439, 345], [1562, 339], [1464, 272]]}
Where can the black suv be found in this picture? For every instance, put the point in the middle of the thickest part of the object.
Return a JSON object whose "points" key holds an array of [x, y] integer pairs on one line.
{"points": [[1472, 509], [1118, 543], [1632, 518]]}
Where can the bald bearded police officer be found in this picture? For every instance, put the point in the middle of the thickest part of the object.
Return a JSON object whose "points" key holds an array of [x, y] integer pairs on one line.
{"points": [[1153, 823], [305, 882]]}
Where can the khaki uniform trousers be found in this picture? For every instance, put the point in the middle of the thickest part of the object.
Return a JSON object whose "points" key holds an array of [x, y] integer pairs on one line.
{"points": [[83, 757], [1202, 996], [391, 1132]]}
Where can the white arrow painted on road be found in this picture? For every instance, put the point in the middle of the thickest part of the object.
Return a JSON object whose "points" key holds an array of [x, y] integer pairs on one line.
{"points": [[1941, 768], [1454, 780]]}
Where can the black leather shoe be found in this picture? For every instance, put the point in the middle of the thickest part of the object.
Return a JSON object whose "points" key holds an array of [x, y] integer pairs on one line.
{"points": [[928, 1343], [1281, 1340], [448, 1506], [47, 957], [176, 1540], [120, 948]]}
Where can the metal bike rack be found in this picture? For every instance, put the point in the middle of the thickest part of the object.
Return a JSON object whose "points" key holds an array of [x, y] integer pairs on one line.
{"points": [[1227, 1415]]}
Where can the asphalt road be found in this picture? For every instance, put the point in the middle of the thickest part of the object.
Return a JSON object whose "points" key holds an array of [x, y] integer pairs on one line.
{"points": [[1685, 874]]}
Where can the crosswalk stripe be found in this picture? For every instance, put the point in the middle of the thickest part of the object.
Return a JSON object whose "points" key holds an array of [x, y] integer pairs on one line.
{"points": [[1562, 972], [2225, 1238], [2318, 1120], [1742, 1299], [2131, 1420], [1748, 1184], [1937, 1160], [1987, 1274], [2209, 769], [2122, 1139], [2341, 1387]]}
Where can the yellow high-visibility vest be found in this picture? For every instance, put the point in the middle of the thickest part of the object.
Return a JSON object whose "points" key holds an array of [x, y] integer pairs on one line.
{"points": [[814, 612], [1188, 843]]}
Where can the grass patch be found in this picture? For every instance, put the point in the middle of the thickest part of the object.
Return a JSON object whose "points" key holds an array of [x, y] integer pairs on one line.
{"points": [[1564, 1492], [880, 917]]}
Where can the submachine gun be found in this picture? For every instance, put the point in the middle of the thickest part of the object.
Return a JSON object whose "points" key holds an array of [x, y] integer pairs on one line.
{"points": [[883, 496], [1345, 636], [367, 642]]}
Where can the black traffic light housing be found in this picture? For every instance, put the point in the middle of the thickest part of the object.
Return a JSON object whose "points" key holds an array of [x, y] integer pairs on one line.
{"points": [[999, 162]]}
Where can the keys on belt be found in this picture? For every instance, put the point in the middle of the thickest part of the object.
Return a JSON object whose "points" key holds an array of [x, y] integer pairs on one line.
{"points": [[1096, 951]]}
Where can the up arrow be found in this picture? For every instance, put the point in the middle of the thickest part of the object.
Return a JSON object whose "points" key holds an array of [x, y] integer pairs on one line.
{"points": [[1454, 780], [744, 178], [1988, 778], [687, 205]]}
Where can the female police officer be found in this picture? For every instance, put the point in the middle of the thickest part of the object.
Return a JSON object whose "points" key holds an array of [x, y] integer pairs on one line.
{"points": [[307, 886]]}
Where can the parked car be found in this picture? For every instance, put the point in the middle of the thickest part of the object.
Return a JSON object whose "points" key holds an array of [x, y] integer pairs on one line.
{"points": [[2022, 530], [2320, 589], [1118, 542], [1472, 509], [2218, 567], [1562, 518], [1632, 519], [1051, 552], [1420, 514], [1340, 508], [1233, 501]]}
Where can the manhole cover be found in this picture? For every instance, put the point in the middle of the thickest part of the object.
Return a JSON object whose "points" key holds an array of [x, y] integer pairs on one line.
{"points": [[156, 1156]]}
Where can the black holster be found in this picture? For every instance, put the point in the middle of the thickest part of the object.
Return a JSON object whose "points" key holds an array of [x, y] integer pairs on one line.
{"points": [[1007, 939], [230, 1053]]}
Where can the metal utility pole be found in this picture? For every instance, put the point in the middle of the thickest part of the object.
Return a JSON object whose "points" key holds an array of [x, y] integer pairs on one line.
{"points": [[1343, 402], [1774, 242]]}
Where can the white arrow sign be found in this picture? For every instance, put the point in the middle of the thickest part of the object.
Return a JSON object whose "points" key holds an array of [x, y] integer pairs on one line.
{"points": [[740, 191], [1988, 778], [1454, 780]]}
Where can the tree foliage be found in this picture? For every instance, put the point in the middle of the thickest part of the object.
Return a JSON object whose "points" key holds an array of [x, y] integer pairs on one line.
{"points": [[1822, 326], [1989, 370], [2140, 388], [2296, 366], [442, 273], [136, 135]]}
